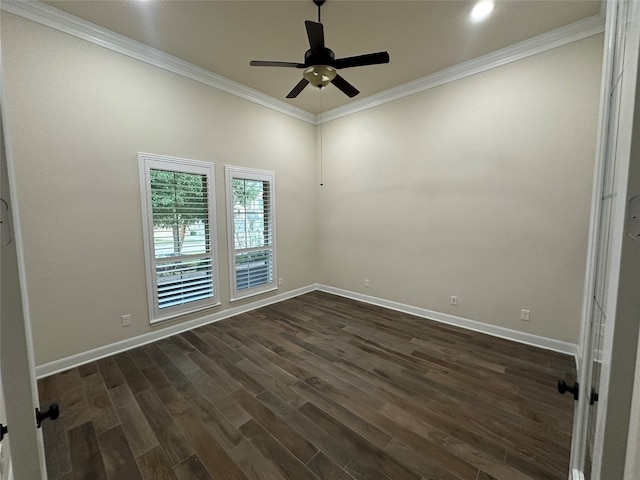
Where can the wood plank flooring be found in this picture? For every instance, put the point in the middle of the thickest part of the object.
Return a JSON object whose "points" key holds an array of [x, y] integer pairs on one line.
{"points": [[316, 387]]}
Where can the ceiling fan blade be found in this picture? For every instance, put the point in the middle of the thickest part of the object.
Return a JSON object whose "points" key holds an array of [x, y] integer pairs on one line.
{"points": [[348, 89], [266, 63], [315, 32], [362, 60], [298, 88]]}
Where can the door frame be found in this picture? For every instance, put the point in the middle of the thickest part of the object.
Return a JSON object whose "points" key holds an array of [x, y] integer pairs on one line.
{"points": [[622, 38], [584, 363], [16, 350]]}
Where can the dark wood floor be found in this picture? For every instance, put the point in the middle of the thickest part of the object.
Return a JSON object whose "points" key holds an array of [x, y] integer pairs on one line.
{"points": [[317, 387]]}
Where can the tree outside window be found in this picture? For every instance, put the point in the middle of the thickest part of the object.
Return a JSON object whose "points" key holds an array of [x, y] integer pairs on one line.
{"points": [[179, 202]]}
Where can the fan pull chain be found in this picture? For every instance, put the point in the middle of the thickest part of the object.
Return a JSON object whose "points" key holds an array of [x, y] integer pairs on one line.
{"points": [[320, 118]]}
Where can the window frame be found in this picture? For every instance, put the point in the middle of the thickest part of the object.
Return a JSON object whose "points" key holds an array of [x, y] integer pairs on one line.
{"points": [[231, 173], [147, 162]]}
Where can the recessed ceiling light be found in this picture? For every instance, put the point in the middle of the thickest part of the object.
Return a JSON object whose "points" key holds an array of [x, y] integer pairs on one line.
{"points": [[481, 10]]}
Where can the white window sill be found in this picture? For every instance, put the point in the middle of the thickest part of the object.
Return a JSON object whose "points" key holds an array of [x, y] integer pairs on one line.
{"points": [[253, 294], [175, 316]]}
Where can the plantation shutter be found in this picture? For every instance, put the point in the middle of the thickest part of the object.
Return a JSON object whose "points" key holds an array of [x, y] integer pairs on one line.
{"points": [[250, 197], [181, 226]]}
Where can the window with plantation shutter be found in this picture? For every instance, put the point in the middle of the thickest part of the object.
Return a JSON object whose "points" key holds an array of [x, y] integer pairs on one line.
{"points": [[179, 213], [251, 227]]}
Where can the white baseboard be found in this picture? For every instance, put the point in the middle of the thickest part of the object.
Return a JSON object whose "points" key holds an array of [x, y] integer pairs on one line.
{"points": [[493, 330], [73, 361]]}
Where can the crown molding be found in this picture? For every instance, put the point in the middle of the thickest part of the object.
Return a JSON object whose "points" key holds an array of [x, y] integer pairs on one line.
{"points": [[52, 17], [555, 38]]}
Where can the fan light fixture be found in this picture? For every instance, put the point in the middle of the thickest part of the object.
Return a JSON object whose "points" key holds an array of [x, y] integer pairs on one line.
{"points": [[320, 75], [320, 63]]}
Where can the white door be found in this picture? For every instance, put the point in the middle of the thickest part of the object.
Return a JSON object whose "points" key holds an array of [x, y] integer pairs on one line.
{"points": [[19, 390], [609, 339], [5, 455]]}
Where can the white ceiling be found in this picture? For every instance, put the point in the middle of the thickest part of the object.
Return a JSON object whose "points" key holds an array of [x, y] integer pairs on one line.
{"points": [[422, 37]]}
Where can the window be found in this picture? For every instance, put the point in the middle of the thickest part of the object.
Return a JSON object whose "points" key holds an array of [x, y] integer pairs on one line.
{"points": [[251, 226], [179, 231]]}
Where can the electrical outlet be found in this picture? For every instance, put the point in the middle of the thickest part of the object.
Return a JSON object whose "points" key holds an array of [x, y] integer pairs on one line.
{"points": [[280, 281], [454, 301], [126, 320], [366, 282], [525, 315]]}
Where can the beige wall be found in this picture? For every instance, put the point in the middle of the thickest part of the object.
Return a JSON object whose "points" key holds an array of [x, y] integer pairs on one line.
{"points": [[77, 116], [480, 188]]}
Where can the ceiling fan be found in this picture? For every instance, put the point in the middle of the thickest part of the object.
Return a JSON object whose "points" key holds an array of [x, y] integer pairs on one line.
{"points": [[320, 63]]}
